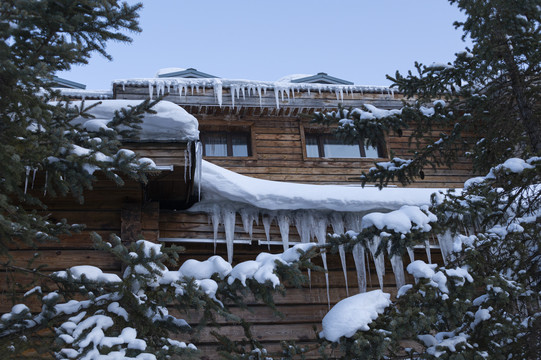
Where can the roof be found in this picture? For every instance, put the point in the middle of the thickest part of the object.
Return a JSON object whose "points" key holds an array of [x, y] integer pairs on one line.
{"points": [[321, 78], [183, 73], [64, 83]]}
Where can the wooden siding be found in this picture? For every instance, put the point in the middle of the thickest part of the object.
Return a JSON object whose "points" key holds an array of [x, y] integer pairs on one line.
{"points": [[101, 212], [303, 308], [278, 149]]}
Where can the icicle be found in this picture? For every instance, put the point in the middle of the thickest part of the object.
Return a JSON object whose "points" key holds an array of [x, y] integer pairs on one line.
{"points": [[27, 171], [320, 231], [232, 97], [198, 166], [308, 91], [34, 177], [337, 223], [353, 222], [150, 90], [428, 252], [276, 91], [215, 219], [218, 92], [411, 254], [341, 94], [283, 224], [360, 266], [185, 162], [304, 223], [243, 95], [267, 220], [191, 88], [188, 160], [446, 245], [398, 268], [379, 261], [248, 216], [368, 267], [228, 218], [260, 98]]}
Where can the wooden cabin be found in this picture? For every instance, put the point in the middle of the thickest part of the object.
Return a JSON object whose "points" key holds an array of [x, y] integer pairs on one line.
{"points": [[261, 130]]}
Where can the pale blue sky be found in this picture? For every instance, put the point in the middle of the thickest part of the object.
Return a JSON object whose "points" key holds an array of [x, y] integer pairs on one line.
{"points": [[357, 40]]}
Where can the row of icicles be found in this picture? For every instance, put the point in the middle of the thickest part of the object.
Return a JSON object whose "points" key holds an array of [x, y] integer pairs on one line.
{"points": [[312, 225]]}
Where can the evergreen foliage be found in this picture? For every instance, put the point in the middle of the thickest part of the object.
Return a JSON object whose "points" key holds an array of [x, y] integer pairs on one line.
{"points": [[95, 315], [38, 39], [484, 304], [87, 314]]}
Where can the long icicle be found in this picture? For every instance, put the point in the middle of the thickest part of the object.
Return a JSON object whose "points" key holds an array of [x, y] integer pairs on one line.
{"points": [[228, 217], [267, 220], [398, 268], [360, 266], [283, 224], [337, 223], [321, 235], [304, 224], [379, 260]]}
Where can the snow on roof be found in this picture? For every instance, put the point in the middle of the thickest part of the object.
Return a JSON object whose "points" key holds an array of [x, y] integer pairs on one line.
{"points": [[219, 184], [288, 78], [241, 87], [86, 94], [170, 123], [168, 71]]}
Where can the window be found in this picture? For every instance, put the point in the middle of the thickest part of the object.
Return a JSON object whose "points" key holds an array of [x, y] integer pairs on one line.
{"points": [[328, 146], [219, 143]]}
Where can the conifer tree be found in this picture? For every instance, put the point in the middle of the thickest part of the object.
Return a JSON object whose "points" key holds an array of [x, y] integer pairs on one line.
{"points": [[484, 302], [86, 313]]}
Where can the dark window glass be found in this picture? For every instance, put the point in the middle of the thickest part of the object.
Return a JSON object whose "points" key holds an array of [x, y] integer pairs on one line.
{"points": [[239, 144], [226, 144], [328, 146], [312, 147], [215, 144]]}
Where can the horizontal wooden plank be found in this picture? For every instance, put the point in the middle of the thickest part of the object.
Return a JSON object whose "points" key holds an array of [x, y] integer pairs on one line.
{"points": [[62, 259]]}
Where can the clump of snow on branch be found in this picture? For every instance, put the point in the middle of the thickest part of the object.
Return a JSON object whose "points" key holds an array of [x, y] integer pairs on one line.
{"points": [[100, 326], [354, 314]]}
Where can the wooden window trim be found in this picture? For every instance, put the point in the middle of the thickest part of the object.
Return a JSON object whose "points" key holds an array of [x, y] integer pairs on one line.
{"points": [[240, 128], [305, 130]]}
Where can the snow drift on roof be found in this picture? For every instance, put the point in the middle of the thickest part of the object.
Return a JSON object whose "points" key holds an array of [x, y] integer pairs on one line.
{"points": [[168, 71], [219, 184], [86, 94], [170, 123], [288, 78]]}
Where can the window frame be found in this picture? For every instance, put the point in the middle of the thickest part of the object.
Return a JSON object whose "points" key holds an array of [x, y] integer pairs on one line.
{"points": [[244, 128], [321, 133]]}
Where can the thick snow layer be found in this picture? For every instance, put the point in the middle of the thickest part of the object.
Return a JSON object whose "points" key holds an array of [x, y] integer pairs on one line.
{"points": [[289, 78], [170, 123], [353, 314], [168, 70], [219, 184], [86, 94]]}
